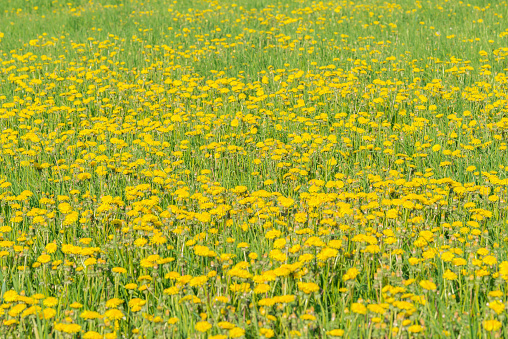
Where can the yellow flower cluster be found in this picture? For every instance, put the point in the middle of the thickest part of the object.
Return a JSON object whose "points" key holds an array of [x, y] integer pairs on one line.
{"points": [[221, 169]]}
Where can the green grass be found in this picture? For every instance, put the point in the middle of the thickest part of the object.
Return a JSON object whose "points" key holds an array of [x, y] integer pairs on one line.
{"points": [[141, 130]]}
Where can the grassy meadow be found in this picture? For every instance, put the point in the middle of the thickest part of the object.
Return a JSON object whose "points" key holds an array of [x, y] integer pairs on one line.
{"points": [[253, 169]]}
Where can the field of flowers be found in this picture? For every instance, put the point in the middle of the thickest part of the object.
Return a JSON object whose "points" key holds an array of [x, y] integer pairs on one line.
{"points": [[257, 169]]}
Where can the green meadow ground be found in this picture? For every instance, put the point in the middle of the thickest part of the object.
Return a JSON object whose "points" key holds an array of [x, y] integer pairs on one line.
{"points": [[257, 169]]}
